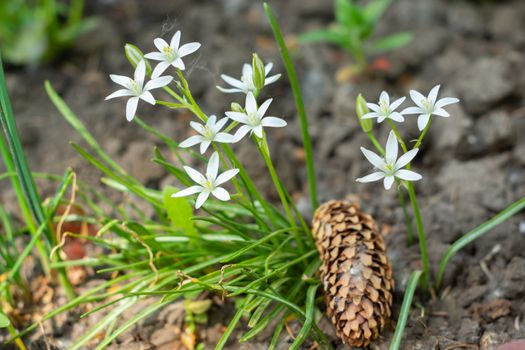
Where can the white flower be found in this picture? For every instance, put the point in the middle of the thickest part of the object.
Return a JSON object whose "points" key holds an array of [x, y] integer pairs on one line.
{"points": [[209, 183], [389, 168], [254, 119], [210, 132], [427, 106], [170, 55], [246, 85], [384, 109], [136, 89]]}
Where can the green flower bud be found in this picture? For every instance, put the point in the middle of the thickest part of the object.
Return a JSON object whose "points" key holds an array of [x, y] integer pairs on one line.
{"points": [[362, 109], [235, 107], [134, 55], [258, 72]]}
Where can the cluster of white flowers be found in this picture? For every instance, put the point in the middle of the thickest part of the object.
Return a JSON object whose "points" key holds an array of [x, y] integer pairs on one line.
{"points": [[389, 168], [251, 117]]}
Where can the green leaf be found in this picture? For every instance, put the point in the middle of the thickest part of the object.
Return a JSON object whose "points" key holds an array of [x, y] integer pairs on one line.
{"points": [[4, 320], [375, 10], [392, 42], [331, 36], [179, 211]]}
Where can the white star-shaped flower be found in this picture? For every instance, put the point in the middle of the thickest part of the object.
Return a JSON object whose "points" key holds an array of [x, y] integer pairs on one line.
{"points": [[254, 119], [208, 133], [136, 89], [209, 183], [390, 167], [246, 84], [384, 109], [427, 106], [170, 55]]}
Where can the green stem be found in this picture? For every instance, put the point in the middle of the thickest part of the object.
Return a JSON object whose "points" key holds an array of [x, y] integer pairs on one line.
{"points": [[398, 135], [420, 139], [376, 143], [299, 104], [405, 310], [476, 233], [408, 220], [421, 233]]}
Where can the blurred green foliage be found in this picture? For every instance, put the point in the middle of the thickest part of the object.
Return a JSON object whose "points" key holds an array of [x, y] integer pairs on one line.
{"points": [[36, 31]]}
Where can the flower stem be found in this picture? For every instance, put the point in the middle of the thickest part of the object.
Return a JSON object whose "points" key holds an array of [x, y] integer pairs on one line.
{"points": [[420, 139], [408, 219], [421, 233], [376, 143]]}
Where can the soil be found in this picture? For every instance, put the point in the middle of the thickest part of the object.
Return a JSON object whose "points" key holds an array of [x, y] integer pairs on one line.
{"points": [[473, 162]]}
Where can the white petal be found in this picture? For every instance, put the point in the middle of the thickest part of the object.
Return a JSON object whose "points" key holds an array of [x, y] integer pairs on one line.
{"points": [[397, 117], [391, 148], [160, 44], [221, 194], [251, 104], [388, 181], [445, 101], [268, 68], [156, 56], [119, 93], [159, 69], [121, 80], [178, 63], [241, 132], [374, 159], [258, 131], [433, 94], [247, 70], [213, 165], [373, 107], [226, 176], [263, 108], [140, 73], [417, 97], [273, 122], [187, 191], [195, 175], [148, 97], [188, 49], [175, 41], [372, 177], [158, 82], [220, 123], [191, 141], [197, 127], [397, 103], [201, 199], [131, 108], [384, 97], [204, 146], [381, 118], [228, 91], [233, 82], [272, 79], [408, 175], [212, 119], [441, 112], [370, 115], [422, 121], [405, 158], [412, 110], [223, 137], [238, 117]]}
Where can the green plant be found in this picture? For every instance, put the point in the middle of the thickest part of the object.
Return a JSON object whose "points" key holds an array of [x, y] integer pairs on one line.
{"points": [[354, 28], [32, 32]]}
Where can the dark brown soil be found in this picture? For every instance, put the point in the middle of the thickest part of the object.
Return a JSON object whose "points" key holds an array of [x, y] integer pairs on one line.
{"points": [[473, 163]]}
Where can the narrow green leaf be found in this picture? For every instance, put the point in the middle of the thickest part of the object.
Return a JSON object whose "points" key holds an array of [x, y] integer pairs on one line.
{"points": [[391, 42], [4, 320], [330, 36], [309, 319], [179, 211]]}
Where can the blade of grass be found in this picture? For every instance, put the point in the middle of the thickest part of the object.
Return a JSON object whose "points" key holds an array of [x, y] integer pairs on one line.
{"points": [[298, 102], [309, 318], [476, 233], [405, 310]]}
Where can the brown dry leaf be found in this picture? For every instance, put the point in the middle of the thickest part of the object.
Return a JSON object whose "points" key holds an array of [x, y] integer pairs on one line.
{"points": [[491, 310]]}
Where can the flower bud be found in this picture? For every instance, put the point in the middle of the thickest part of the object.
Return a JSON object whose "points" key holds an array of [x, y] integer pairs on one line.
{"points": [[259, 73], [235, 107], [361, 109], [134, 55]]}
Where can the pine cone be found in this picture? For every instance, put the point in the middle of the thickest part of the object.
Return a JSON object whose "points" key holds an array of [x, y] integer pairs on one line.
{"points": [[356, 273]]}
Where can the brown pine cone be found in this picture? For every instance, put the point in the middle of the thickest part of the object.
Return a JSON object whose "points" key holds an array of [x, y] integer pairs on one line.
{"points": [[356, 273]]}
